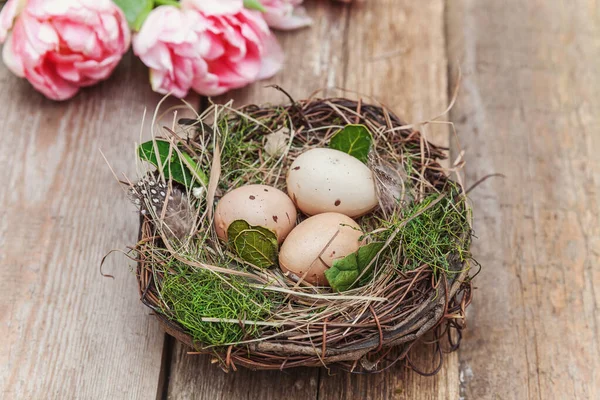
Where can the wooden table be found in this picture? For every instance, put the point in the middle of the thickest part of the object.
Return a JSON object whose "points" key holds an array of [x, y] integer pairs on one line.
{"points": [[529, 108]]}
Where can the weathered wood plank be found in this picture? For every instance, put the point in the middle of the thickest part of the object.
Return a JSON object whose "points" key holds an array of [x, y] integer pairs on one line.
{"points": [[67, 332], [529, 109], [194, 377], [395, 52], [313, 61]]}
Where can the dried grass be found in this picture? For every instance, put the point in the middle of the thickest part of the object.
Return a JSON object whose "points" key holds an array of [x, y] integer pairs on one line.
{"points": [[261, 319]]}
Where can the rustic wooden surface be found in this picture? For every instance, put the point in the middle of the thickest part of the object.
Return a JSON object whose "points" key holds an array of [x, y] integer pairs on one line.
{"points": [[528, 108], [67, 332]]}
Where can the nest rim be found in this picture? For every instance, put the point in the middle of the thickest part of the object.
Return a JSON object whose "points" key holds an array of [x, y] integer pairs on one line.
{"points": [[450, 295]]}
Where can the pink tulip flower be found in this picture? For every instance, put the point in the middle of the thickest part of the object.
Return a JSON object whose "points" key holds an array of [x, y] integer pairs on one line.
{"points": [[172, 43], [62, 45], [210, 46], [242, 48]]}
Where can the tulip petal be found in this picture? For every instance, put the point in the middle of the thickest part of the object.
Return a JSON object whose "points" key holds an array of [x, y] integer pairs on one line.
{"points": [[11, 58], [288, 19], [9, 12], [79, 38], [45, 80], [93, 71], [68, 72], [220, 7], [272, 59]]}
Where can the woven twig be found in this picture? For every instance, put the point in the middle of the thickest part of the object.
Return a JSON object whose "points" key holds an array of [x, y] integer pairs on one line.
{"points": [[419, 303]]}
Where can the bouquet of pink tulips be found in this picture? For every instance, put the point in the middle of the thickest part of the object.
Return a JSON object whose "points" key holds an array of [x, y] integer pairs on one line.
{"points": [[208, 46]]}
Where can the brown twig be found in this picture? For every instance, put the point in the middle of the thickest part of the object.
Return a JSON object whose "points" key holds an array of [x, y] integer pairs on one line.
{"points": [[312, 331]]}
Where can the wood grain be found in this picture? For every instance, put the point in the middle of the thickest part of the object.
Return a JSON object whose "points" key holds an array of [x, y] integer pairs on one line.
{"points": [[529, 109], [367, 51], [67, 332], [194, 377]]}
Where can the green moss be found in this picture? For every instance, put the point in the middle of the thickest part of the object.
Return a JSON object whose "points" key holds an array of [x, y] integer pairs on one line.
{"points": [[435, 234], [193, 295], [240, 152]]}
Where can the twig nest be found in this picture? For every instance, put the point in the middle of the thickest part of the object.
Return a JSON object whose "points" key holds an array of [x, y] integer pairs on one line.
{"points": [[328, 180], [258, 205], [311, 248], [383, 261]]}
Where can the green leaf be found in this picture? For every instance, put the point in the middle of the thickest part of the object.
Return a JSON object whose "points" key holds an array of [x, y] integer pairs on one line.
{"points": [[366, 254], [136, 11], [355, 140], [254, 5], [254, 244], [167, 3], [183, 170], [345, 271], [194, 168]]}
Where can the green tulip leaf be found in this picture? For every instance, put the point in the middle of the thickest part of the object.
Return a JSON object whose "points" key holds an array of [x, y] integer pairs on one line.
{"points": [[254, 5], [355, 140], [136, 11], [254, 244], [181, 169], [345, 271]]}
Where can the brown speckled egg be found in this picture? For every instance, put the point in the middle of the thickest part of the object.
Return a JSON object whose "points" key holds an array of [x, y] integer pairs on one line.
{"points": [[258, 205], [315, 243], [327, 180]]}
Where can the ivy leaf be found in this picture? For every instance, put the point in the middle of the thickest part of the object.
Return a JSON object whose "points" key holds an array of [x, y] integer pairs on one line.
{"points": [[254, 5], [254, 244], [136, 11], [355, 140], [183, 170], [345, 271]]}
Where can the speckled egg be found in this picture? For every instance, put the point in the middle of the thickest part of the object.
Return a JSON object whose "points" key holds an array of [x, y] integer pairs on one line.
{"points": [[315, 243], [258, 205], [327, 180]]}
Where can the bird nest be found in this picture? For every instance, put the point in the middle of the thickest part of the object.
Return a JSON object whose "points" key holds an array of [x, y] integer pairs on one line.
{"points": [[214, 301]]}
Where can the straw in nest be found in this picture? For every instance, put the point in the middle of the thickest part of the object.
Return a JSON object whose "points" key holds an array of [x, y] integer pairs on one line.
{"points": [[209, 298]]}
